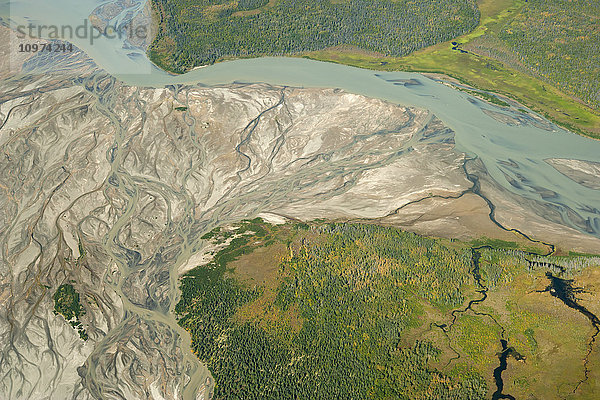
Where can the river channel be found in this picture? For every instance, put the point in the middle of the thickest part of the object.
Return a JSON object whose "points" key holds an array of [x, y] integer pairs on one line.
{"points": [[512, 145]]}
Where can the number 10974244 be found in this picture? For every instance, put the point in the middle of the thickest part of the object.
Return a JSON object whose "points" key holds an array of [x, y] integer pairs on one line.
{"points": [[49, 47]]}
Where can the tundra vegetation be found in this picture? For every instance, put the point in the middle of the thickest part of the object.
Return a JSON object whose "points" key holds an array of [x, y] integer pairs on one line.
{"points": [[358, 311]]}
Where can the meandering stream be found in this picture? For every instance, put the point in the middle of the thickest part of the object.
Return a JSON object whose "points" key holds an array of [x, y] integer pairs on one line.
{"points": [[505, 350]]}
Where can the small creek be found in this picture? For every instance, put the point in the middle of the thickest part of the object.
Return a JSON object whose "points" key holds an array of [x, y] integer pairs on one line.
{"points": [[503, 356], [506, 351], [562, 289]]}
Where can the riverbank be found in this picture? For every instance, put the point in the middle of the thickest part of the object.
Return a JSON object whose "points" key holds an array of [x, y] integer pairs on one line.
{"points": [[451, 60], [481, 72]]}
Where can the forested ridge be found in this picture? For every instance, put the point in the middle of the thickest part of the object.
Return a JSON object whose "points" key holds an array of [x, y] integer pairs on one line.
{"points": [[199, 32]]}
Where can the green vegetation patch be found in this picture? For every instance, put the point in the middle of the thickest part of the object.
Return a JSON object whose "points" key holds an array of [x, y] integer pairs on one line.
{"points": [[559, 41], [199, 32], [359, 311], [487, 96], [534, 52], [478, 337], [356, 289], [500, 267], [67, 304], [499, 244]]}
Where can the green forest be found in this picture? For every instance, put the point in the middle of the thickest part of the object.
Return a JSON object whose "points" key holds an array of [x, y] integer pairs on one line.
{"points": [[543, 54], [200, 32], [361, 311], [354, 292], [556, 40]]}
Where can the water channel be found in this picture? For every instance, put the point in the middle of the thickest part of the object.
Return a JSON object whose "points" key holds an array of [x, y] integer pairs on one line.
{"points": [[511, 144]]}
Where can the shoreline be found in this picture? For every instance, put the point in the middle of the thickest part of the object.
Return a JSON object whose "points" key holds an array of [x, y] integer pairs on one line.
{"points": [[529, 91], [442, 76]]}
